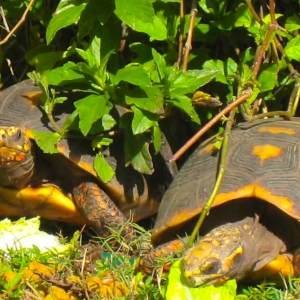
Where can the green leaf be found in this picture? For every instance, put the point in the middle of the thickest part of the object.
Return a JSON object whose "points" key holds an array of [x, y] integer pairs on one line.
{"points": [[220, 68], [182, 83], [142, 161], [47, 141], [246, 74], [46, 61], [143, 120], [157, 137], [143, 53], [90, 109], [134, 74], [176, 290], [59, 100], [95, 12], [108, 122], [268, 77], [92, 54], [100, 141], [103, 168], [63, 75], [140, 16], [292, 23], [160, 63], [85, 69], [63, 18], [267, 19], [185, 104], [244, 17], [136, 147], [292, 48], [147, 98], [70, 123]]}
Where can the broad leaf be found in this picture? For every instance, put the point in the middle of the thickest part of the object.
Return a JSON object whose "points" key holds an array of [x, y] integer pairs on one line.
{"points": [[185, 104], [95, 12], [90, 109], [103, 168], [63, 75], [136, 148], [244, 17], [108, 122], [292, 23], [134, 74], [267, 77], [156, 136], [223, 69], [142, 18], [292, 48], [182, 83], [143, 120], [147, 98], [177, 290], [47, 141], [160, 64], [63, 18]]}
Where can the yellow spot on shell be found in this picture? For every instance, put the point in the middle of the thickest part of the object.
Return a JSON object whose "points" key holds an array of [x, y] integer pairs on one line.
{"points": [[266, 151], [277, 130]]}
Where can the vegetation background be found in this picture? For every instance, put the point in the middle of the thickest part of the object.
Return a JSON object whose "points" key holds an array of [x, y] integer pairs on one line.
{"points": [[169, 66]]}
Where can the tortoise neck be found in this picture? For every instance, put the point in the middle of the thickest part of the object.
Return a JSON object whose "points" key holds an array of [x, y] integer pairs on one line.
{"points": [[260, 245]]}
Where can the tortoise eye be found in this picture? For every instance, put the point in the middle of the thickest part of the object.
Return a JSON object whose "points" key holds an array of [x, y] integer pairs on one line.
{"points": [[212, 266], [18, 135]]}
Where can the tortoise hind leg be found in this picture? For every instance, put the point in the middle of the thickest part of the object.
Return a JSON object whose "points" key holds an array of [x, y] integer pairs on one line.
{"points": [[100, 211]]}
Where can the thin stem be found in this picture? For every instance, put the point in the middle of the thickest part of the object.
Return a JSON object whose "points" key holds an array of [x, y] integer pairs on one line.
{"points": [[181, 32], [253, 12], [261, 53], [188, 44], [221, 171]]}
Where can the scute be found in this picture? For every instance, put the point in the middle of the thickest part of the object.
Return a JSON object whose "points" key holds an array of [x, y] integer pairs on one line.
{"points": [[246, 174]]}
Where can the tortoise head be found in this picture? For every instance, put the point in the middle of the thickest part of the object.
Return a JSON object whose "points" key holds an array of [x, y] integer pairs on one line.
{"points": [[16, 158], [217, 257]]}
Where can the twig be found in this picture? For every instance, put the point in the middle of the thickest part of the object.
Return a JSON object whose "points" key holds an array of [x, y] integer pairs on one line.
{"points": [[261, 53], [8, 61], [282, 51], [21, 21], [253, 12], [4, 19], [188, 44], [273, 21], [212, 122], [125, 32], [272, 11], [181, 32]]}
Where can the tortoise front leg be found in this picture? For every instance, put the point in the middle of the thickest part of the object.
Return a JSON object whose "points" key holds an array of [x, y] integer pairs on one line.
{"points": [[281, 266], [161, 257], [100, 211]]}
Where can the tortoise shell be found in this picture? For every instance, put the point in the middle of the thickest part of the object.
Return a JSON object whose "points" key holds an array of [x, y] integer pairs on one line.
{"points": [[263, 161]]}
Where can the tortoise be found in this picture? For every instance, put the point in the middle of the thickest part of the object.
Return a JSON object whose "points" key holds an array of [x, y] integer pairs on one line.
{"points": [[65, 186], [252, 230]]}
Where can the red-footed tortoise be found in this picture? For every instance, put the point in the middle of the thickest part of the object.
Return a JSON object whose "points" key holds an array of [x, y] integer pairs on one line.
{"points": [[253, 229], [64, 186]]}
